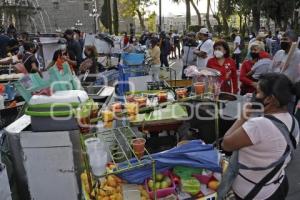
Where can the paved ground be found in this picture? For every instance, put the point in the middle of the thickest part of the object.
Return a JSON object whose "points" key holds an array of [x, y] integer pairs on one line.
{"points": [[293, 170]]}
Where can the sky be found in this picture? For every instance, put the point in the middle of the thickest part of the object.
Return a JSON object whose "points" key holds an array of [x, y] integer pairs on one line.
{"points": [[170, 8]]}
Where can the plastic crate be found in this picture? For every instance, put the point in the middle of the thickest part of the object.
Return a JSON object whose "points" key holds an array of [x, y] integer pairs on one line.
{"points": [[125, 72], [133, 58]]}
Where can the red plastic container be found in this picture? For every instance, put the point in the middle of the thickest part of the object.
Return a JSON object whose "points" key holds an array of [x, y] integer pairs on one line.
{"points": [[162, 192]]}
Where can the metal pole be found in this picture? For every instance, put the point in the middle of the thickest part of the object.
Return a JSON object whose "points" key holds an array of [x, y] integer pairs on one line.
{"points": [[159, 28]]}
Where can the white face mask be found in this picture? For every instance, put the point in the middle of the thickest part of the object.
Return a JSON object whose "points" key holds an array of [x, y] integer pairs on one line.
{"points": [[218, 54]]}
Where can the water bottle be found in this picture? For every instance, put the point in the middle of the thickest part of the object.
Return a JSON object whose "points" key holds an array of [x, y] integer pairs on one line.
{"points": [[1, 102]]}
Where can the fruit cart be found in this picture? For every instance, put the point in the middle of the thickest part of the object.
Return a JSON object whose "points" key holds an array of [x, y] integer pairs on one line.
{"points": [[123, 157]]}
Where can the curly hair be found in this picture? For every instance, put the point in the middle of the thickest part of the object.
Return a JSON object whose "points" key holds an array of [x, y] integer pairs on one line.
{"points": [[225, 45], [92, 49]]}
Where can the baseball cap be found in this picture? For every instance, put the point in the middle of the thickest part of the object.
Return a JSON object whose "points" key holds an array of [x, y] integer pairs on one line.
{"points": [[204, 31]]}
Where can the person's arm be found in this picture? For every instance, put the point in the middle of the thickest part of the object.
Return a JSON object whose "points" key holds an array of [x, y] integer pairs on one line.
{"points": [[244, 75], [234, 79]]}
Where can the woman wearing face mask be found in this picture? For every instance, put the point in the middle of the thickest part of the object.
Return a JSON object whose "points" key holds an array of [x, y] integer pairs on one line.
{"points": [[225, 65], [248, 82], [262, 146]]}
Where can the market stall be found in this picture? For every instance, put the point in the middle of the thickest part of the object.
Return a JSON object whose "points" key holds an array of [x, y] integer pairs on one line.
{"points": [[95, 145]]}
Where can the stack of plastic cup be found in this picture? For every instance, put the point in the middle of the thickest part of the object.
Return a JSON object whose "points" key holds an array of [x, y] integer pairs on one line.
{"points": [[97, 155]]}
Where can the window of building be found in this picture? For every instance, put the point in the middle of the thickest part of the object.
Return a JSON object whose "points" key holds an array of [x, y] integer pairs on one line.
{"points": [[55, 4], [86, 6]]}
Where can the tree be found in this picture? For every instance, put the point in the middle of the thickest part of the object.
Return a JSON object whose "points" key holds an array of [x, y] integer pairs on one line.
{"points": [[281, 11], [137, 8], [207, 16], [188, 13], [115, 17], [151, 21], [187, 10], [105, 16], [197, 11]]}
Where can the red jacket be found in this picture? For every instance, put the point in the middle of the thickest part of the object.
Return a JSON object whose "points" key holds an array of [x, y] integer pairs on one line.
{"points": [[246, 81], [228, 76]]}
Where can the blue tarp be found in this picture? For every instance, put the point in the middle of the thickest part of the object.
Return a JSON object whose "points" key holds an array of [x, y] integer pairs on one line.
{"points": [[193, 154]]}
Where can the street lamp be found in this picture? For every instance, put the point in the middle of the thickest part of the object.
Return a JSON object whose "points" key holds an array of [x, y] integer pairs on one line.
{"points": [[95, 15], [78, 23]]}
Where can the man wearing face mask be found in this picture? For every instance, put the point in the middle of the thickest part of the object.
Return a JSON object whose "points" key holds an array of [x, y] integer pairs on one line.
{"points": [[280, 58], [291, 66]]}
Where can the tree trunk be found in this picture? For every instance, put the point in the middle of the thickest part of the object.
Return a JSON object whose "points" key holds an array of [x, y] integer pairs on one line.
{"points": [[241, 21], [188, 13], [197, 12], [141, 19], [207, 17], [256, 16], [116, 17]]}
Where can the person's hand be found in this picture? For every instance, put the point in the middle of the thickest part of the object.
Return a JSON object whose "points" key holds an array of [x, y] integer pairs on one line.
{"points": [[65, 58]]}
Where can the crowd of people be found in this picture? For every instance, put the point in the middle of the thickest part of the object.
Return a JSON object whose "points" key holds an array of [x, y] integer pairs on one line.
{"points": [[262, 145]]}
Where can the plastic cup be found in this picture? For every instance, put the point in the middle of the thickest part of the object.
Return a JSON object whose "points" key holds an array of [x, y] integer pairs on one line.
{"points": [[138, 144], [98, 163], [142, 101], [130, 98], [199, 88], [107, 116], [132, 108], [108, 124], [181, 93], [116, 107], [83, 120], [139, 155], [162, 97]]}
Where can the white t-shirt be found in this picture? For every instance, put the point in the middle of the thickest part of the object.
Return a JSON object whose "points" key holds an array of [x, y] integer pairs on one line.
{"points": [[293, 69], [237, 42], [268, 146], [208, 48]]}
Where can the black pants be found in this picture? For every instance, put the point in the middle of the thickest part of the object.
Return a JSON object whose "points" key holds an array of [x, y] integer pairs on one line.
{"points": [[164, 60], [237, 58], [280, 193]]}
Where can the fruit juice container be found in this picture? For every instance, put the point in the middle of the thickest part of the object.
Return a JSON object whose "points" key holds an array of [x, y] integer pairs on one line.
{"points": [[162, 96], [162, 192], [107, 115], [199, 88], [181, 93], [138, 144], [97, 155], [132, 108]]}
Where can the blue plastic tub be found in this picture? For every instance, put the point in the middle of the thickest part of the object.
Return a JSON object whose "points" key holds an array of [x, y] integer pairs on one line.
{"points": [[133, 58]]}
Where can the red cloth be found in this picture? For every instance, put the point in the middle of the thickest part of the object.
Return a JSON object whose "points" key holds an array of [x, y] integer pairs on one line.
{"points": [[228, 76], [264, 54], [126, 40], [246, 81]]}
